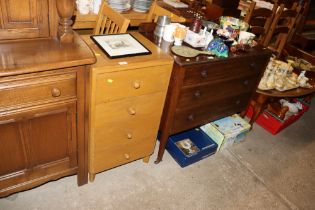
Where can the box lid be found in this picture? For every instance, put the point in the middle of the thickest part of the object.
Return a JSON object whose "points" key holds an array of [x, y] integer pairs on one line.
{"points": [[231, 125]]}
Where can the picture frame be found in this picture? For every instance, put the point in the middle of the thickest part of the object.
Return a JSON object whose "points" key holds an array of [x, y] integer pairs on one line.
{"points": [[120, 45]]}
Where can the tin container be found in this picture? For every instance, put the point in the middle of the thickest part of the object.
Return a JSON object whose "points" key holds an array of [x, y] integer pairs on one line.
{"points": [[162, 21]]}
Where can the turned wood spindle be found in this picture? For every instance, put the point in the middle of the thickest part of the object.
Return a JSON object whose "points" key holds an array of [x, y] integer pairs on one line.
{"points": [[65, 11]]}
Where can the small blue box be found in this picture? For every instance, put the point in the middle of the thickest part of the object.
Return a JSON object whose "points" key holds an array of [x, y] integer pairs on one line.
{"points": [[190, 146]]}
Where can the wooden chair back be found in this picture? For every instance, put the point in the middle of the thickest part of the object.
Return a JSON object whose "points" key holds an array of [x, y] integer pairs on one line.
{"points": [[281, 27], [298, 27], [110, 22], [260, 20], [157, 10]]}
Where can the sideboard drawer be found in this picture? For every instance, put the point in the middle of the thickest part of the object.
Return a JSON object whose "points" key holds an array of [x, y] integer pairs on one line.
{"points": [[190, 118], [223, 70], [126, 121], [34, 89], [117, 85], [211, 92], [121, 154]]}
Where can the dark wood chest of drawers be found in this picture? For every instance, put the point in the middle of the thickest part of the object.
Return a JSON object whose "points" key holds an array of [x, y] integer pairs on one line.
{"points": [[204, 90]]}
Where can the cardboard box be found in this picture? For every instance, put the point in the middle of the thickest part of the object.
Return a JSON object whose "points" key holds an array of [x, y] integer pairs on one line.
{"points": [[226, 131], [196, 39], [190, 146]]}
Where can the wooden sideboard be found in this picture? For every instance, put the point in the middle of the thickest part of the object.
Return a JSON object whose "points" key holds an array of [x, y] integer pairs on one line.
{"points": [[126, 103], [42, 96], [202, 89]]}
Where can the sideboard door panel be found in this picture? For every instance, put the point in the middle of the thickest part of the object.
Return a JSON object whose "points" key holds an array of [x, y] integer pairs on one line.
{"points": [[52, 137], [37, 145], [12, 150], [24, 19]]}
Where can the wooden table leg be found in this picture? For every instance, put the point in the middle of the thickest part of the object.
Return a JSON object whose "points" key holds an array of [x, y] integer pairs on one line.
{"points": [[258, 107]]}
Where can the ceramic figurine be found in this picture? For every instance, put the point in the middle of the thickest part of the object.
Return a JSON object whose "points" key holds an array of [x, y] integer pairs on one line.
{"points": [[279, 75], [294, 108], [302, 80], [217, 47]]}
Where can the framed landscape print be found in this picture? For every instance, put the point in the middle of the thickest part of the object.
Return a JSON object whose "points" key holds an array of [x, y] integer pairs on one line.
{"points": [[120, 45]]}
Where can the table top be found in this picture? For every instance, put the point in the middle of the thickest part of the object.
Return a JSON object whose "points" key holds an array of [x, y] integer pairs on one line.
{"points": [[297, 92], [188, 13], [147, 30]]}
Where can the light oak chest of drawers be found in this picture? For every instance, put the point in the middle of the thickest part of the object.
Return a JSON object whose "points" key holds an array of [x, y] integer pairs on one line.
{"points": [[126, 103]]}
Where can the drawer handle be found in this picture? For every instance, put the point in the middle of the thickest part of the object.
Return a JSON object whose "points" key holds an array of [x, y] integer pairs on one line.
{"points": [[131, 111], [246, 82], [127, 156], [204, 74], [55, 92], [191, 117], [136, 85], [197, 94], [129, 136], [238, 102], [253, 65]]}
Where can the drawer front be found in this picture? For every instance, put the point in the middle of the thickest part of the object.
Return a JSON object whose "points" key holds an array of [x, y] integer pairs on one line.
{"points": [[118, 155], [24, 92], [190, 118], [224, 70], [117, 85], [204, 94], [127, 121]]}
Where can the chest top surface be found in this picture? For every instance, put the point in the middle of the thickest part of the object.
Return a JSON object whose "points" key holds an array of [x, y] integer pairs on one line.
{"points": [[105, 64], [147, 30]]}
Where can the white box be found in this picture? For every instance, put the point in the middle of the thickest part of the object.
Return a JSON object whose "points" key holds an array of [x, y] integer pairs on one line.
{"points": [[226, 131], [194, 39]]}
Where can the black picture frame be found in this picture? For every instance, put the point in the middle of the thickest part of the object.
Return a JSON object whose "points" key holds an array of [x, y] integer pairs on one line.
{"points": [[137, 48]]}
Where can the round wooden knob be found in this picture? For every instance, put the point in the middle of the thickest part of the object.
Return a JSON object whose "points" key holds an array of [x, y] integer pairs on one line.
{"points": [[55, 92], [238, 102], [127, 156], [253, 65], [131, 111], [197, 94], [204, 74], [136, 85], [246, 82], [191, 117], [129, 136]]}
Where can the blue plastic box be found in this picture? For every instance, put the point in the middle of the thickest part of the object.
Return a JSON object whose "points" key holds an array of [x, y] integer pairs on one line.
{"points": [[190, 146]]}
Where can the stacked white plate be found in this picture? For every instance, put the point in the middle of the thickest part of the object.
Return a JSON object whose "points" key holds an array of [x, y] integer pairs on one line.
{"points": [[141, 5], [119, 5]]}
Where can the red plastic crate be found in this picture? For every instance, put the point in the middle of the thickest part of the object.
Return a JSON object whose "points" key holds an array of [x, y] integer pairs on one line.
{"points": [[272, 123]]}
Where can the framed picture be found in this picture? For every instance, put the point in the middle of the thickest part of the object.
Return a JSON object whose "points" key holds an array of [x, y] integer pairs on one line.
{"points": [[120, 45]]}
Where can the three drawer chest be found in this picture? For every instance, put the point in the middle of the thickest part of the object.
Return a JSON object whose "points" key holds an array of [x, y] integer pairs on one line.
{"points": [[205, 89]]}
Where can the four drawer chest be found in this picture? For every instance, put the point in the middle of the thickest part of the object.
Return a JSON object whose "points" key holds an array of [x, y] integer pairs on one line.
{"points": [[126, 103]]}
